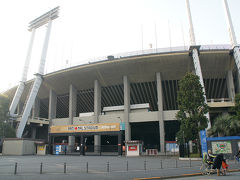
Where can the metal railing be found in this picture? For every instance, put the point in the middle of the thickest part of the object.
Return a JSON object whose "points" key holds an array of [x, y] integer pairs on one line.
{"points": [[123, 165], [220, 100]]}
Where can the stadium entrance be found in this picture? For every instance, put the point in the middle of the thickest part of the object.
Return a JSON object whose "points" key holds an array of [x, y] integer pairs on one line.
{"points": [[148, 132], [110, 134]]}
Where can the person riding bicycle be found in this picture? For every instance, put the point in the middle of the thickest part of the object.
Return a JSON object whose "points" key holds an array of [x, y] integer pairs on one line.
{"points": [[210, 159]]}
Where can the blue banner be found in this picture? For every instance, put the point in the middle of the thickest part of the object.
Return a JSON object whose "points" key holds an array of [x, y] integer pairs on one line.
{"points": [[203, 137], [122, 126], [58, 149]]}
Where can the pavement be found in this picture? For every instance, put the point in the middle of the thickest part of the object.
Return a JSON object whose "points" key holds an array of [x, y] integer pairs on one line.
{"points": [[102, 168]]}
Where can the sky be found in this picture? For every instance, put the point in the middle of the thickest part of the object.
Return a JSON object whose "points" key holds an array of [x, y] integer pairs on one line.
{"points": [[88, 29]]}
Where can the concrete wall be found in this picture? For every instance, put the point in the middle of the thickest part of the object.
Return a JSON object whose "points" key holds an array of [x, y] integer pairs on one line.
{"points": [[117, 116], [12, 147], [143, 117], [18, 147], [60, 122], [29, 147], [169, 115], [111, 118], [83, 120], [114, 113]]}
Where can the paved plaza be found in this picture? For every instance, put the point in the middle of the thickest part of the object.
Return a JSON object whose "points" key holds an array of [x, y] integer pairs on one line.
{"points": [[96, 167]]}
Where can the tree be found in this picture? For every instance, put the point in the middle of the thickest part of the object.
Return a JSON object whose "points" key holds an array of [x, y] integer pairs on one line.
{"points": [[192, 109], [236, 108], [5, 128], [4, 104], [221, 126], [227, 125]]}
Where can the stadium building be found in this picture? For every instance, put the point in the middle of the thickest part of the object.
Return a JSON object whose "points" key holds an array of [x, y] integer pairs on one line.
{"points": [[138, 90], [123, 97]]}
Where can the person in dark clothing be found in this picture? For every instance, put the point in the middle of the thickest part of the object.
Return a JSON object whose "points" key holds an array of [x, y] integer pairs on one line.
{"points": [[218, 163], [238, 156]]}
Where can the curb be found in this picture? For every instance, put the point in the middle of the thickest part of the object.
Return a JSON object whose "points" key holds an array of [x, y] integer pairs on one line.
{"points": [[188, 159], [180, 176]]}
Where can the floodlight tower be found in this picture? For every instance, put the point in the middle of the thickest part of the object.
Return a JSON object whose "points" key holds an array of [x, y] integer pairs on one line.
{"points": [[36, 23], [194, 52], [233, 39], [21, 85]]}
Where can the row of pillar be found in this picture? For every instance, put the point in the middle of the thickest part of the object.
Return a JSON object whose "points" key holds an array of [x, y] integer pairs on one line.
{"points": [[97, 109]]}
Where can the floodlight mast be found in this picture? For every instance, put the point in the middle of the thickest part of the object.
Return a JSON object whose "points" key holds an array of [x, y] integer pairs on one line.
{"points": [[194, 50], [38, 22], [233, 39], [21, 85]]}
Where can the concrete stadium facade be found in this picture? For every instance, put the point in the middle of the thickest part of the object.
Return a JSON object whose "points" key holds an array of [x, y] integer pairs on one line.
{"points": [[108, 91]]}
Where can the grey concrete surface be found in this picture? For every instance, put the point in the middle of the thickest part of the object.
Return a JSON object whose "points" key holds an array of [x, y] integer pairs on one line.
{"points": [[28, 167], [229, 176]]}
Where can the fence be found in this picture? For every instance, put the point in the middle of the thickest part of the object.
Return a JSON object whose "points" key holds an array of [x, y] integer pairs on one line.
{"points": [[87, 167], [99, 166]]}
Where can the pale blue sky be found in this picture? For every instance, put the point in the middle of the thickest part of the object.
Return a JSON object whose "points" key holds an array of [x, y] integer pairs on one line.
{"points": [[95, 28]]}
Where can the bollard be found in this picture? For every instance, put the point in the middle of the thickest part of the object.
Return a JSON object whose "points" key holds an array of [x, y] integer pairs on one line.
{"points": [[145, 166], [161, 164], [15, 169], [41, 166], [190, 162], [65, 168], [176, 164], [127, 165], [87, 167], [107, 166]]}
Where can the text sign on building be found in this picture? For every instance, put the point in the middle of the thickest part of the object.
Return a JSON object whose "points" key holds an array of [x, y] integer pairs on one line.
{"points": [[132, 148], [85, 128]]}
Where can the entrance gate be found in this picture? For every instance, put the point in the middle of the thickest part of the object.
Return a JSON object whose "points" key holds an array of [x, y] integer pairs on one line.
{"points": [[83, 139]]}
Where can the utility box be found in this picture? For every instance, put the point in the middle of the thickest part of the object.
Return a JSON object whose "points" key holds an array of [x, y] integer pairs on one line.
{"points": [[41, 148], [133, 148]]}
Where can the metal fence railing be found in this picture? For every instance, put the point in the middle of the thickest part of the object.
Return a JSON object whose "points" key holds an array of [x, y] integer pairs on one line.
{"points": [[125, 165]]}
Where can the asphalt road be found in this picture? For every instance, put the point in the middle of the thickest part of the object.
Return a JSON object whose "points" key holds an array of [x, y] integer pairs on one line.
{"points": [[96, 167]]}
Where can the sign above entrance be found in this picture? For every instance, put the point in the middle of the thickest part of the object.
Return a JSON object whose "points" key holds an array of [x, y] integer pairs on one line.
{"points": [[85, 128]]}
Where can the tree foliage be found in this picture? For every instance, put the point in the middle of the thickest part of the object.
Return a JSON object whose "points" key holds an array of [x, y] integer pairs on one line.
{"points": [[236, 108], [192, 108], [5, 128], [4, 104], [227, 125]]}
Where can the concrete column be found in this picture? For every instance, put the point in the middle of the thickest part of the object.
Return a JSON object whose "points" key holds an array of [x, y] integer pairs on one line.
{"points": [[52, 106], [230, 85], [97, 100], [97, 112], [72, 103], [36, 108], [72, 114], [126, 85], [34, 132], [160, 113]]}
